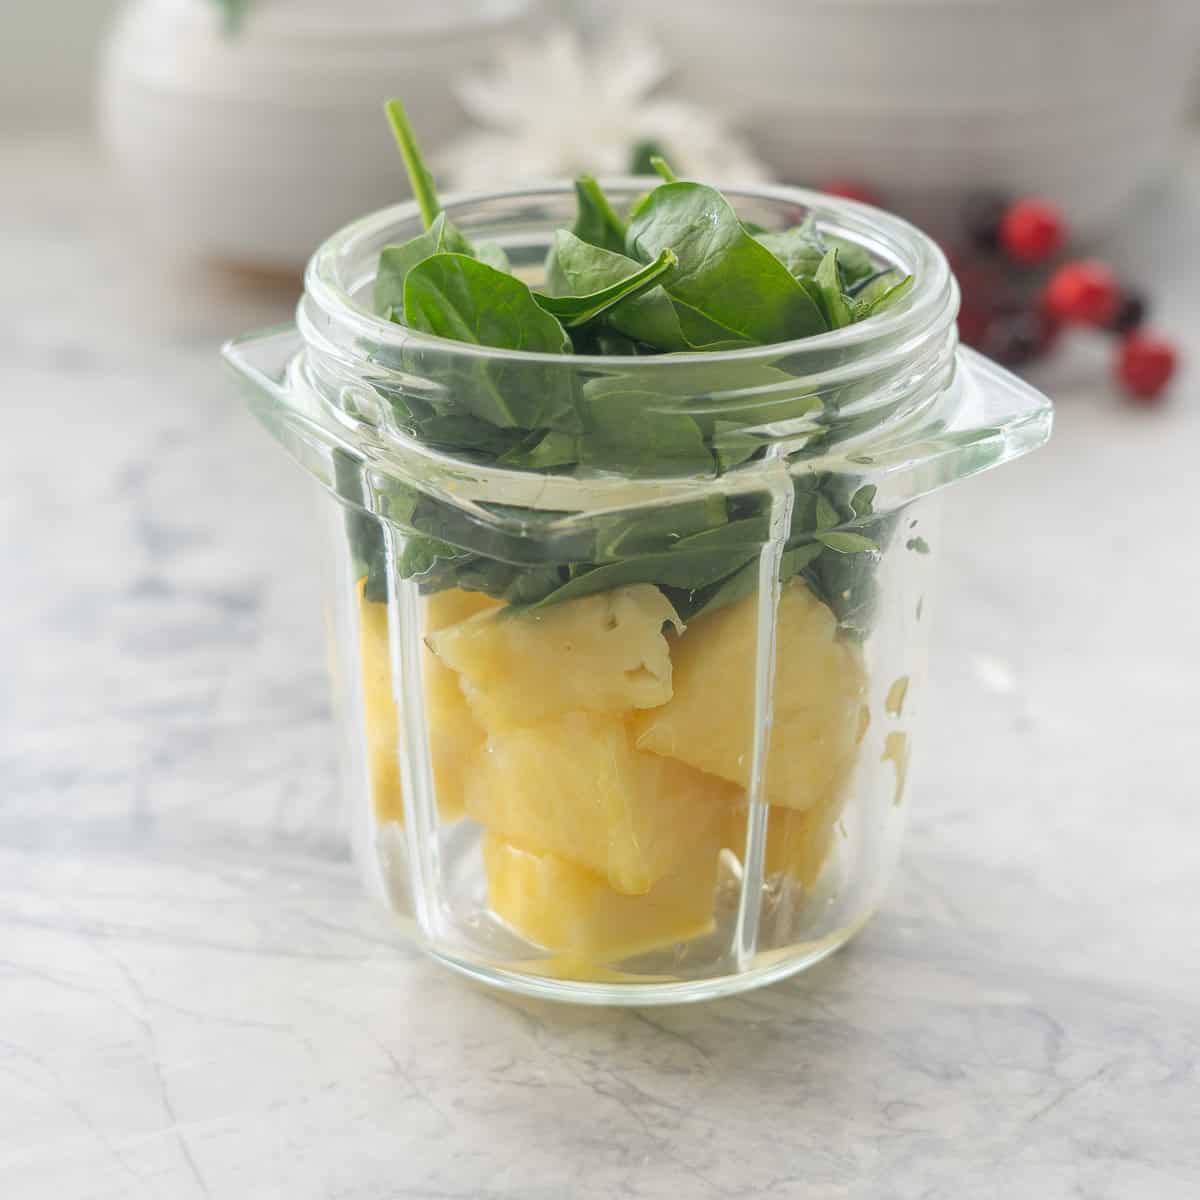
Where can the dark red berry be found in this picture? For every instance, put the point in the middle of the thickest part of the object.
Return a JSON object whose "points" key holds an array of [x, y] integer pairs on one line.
{"points": [[1132, 310], [1082, 292], [1032, 231], [984, 213], [850, 189], [1018, 339], [1145, 364]]}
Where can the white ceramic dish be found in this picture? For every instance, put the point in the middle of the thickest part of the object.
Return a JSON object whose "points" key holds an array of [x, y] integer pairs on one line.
{"points": [[925, 99], [212, 130]]}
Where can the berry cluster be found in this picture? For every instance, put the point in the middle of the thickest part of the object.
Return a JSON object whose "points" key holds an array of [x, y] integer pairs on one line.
{"points": [[1014, 312]]}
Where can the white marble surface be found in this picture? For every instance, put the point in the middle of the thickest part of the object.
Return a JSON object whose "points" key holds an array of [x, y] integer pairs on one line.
{"points": [[195, 1001]]}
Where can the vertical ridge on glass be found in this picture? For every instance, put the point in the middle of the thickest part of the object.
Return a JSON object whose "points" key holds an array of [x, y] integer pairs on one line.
{"points": [[416, 768], [782, 494]]}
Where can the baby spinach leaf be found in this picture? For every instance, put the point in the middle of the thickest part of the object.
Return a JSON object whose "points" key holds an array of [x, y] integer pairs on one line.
{"points": [[649, 317], [543, 451], [627, 428], [655, 530], [845, 542], [687, 571], [863, 501], [579, 309], [854, 262], [723, 273], [458, 297], [798, 248], [828, 278], [885, 298], [597, 221], [395, 262], [489, 252]]}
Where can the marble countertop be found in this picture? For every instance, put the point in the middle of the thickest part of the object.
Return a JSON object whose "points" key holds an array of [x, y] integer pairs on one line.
{"points": [[195, 1001]]}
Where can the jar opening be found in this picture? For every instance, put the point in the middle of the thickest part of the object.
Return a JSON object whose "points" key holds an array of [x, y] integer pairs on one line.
{"points": [[341, 272]]}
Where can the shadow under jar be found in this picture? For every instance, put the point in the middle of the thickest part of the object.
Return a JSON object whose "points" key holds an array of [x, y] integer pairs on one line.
{"points": [[637, 730]]}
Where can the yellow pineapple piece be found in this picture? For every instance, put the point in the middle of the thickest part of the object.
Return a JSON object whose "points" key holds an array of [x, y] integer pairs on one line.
{"points": [[819, 713], [572, 910], [798, 841], [603, 653], [454, 734], [454, 605], [574, 786]]}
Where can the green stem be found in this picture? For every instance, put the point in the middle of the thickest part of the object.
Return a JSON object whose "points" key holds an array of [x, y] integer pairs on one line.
{"points": [[419, 176], [661, 165]]}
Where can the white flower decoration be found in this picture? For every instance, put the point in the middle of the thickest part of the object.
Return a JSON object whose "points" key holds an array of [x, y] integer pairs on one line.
{"points": [[551, 109]]}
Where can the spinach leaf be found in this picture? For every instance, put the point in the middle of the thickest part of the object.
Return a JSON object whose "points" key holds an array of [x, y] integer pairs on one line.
{"points": [[492, 253], [580, 309], [882, 294], [829, 280], [597, 221], [798, 248], [395, 262], [649, 317], [458, 297], [723, 273], [854, 263], [627, 428]]}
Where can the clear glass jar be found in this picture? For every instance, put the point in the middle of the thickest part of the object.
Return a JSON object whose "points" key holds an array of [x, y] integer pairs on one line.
{"points": [[632, 734]]}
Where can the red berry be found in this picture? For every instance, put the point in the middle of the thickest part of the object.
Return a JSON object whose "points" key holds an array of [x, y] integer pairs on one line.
{"points": [[1084, 292], [850, 189], [1145, 364], [1031, 231]]}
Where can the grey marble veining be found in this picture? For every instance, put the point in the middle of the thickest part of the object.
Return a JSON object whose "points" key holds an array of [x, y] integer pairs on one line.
{"points": [[195, 1001]]}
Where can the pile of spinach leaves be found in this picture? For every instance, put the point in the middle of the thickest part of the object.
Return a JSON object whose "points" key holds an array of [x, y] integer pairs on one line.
{"points": [[681, 272]]}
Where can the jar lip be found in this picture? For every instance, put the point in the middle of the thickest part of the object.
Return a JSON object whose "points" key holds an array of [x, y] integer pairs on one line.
{"points": [[929, 298]]}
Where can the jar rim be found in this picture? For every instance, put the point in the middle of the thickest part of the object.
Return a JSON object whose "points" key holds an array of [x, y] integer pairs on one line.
{"points": [[933, 295]]}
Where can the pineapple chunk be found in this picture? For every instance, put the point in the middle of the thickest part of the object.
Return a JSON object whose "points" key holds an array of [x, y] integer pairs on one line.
{"points": [[819, 711], [454, 734], [571, 910], [574, 786], [798, 842], [603, 653]]}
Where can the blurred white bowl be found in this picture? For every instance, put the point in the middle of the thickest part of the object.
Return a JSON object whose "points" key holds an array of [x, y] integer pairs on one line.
{"points": [[925, 100], [255, 147]]}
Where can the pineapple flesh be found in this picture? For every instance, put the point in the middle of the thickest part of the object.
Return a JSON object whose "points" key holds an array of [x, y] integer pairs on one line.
{"points": [[819, 700], [602, 654], [798, 841], [574, 786], [454, 734], [570, 910], [608, 762]]}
